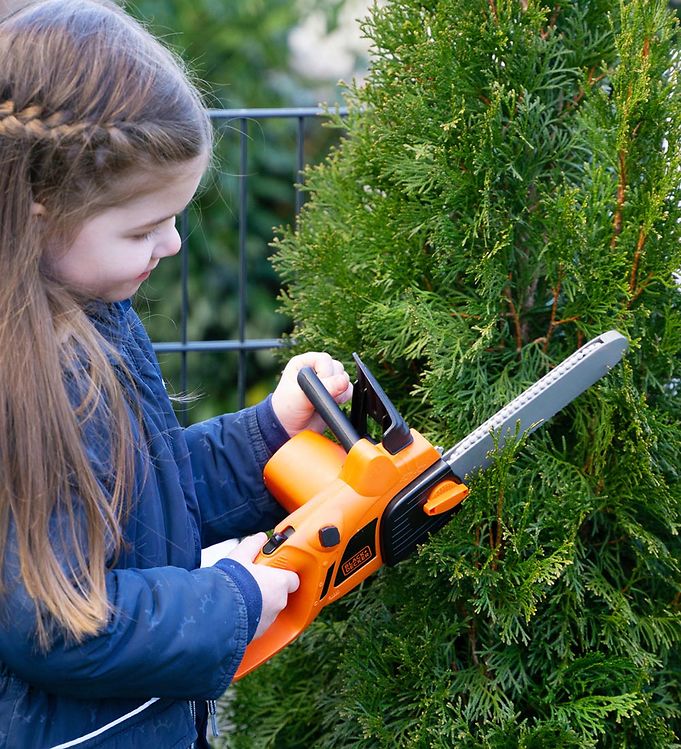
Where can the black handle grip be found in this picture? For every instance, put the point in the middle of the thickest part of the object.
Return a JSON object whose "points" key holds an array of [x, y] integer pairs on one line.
{"points": [[327, 407]]}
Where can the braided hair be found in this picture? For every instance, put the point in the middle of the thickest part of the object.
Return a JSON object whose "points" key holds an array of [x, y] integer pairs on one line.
{"points": [[87, 98]]}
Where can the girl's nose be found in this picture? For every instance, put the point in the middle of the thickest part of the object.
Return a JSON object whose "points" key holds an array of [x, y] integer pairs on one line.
{"points": [[168, 244]]}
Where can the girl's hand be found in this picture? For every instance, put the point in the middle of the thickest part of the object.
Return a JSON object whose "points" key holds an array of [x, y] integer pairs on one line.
{"points": [[275, 584], [290, 404]]}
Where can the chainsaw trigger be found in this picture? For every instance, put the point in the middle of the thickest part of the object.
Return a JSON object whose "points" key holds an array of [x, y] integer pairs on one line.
{"points": [[445, 496]]}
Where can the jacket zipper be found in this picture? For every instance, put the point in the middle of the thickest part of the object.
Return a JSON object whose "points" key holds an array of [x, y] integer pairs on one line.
{"points": [[212, 714], [192, 711], [212, 711]]}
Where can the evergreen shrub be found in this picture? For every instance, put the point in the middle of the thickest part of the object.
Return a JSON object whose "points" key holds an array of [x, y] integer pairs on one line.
{"points": [[507, 188]]}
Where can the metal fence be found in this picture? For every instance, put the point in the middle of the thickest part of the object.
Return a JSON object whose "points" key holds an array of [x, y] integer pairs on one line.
{"points": [[241, 120]]}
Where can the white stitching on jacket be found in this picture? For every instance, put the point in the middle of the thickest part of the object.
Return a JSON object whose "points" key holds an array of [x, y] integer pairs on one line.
{"points": [[81, 739]]}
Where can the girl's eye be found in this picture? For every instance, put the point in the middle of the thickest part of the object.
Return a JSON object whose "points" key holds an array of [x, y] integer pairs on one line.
{"points": [[155, 230], [145, 236]]}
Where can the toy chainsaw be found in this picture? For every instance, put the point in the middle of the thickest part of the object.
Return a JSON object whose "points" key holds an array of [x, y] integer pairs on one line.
{"points": [[357, 505]]}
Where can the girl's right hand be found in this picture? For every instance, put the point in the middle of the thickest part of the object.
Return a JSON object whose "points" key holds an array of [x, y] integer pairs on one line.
{"points": [[275, 584]]}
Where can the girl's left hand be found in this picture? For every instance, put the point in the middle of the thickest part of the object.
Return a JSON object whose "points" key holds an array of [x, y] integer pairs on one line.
{"points": [[290, 404]]}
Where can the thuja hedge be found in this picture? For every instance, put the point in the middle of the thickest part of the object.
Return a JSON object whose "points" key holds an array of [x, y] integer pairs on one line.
{"points": [[507, 188]]}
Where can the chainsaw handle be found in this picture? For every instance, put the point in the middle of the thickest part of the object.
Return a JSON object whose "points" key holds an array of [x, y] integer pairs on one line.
{"points": [[327, 407], [300, 608]]}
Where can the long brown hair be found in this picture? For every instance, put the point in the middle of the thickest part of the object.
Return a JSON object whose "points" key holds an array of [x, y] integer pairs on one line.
{"points": [[87, 98]]}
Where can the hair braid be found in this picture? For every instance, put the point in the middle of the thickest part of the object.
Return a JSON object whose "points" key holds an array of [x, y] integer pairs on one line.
{"points": [[58, 127]]}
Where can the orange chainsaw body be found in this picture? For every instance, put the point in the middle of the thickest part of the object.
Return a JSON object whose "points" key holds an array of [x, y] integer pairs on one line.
{"points": [[331, 536], [358, 505]]}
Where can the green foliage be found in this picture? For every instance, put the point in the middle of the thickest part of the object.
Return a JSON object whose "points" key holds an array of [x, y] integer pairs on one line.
{"points": [[507, 189]]}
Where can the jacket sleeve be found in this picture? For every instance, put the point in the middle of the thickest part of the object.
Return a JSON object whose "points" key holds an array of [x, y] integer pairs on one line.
{"points": [[171, 633], [228, 454]]}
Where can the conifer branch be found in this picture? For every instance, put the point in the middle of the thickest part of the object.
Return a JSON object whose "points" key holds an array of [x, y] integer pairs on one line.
{"points": [[635, 290], [622, 182], [587, 465], [621, 193], [497, 540], [591, 81], [493, 8], [554, 308], [473, 641], [572, 318], [552, 22], [642, 287], [464, 316], [515, 317], [637, 258], [615, 541], [545, 340]]}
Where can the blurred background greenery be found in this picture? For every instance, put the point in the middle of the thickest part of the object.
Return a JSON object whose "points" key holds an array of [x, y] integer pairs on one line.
{"points": [[244, 54]]}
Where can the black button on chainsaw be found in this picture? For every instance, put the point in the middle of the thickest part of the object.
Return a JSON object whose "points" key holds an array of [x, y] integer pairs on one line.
{"points": [[277, 539], [329, 536]]}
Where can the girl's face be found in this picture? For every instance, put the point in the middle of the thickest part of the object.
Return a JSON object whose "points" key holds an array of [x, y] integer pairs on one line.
{"points": [[115, 250]]}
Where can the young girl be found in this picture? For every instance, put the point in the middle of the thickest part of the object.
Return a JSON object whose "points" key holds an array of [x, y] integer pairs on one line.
{"points": [[110, 634]]}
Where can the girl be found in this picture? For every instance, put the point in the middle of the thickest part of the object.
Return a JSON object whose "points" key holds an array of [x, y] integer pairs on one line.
{"points": [[109, 634]]}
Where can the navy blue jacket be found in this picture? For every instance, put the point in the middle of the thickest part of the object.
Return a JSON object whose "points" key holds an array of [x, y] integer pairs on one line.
{"points": [[176, 633]]}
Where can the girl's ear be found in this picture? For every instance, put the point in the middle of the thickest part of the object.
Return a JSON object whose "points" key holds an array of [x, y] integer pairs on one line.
{"points": [[38, 209]]}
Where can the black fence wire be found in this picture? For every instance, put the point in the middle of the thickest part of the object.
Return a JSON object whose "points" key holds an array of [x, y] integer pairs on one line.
{"points": [[241, 120]]}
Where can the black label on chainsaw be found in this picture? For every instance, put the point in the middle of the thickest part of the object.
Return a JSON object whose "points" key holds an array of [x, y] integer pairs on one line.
{"points": [[360, 550]]}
